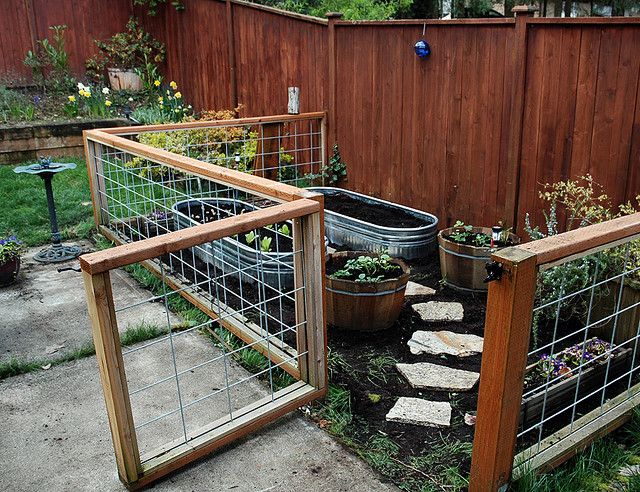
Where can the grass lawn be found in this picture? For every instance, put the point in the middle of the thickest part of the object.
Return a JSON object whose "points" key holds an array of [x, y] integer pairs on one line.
{"points": [[24, 204]]}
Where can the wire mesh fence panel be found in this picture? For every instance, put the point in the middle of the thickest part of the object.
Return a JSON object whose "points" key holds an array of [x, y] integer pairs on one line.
{"points": [[582, 360], [242, 256], [560, 363]]}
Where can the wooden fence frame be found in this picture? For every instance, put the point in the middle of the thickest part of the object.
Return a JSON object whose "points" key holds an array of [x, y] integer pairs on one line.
{"points": [[306, 211], [506, 342]]}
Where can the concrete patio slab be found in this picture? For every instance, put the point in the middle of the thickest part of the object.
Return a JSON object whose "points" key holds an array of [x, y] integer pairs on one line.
{"points": [[44, 314], [54, 433]]}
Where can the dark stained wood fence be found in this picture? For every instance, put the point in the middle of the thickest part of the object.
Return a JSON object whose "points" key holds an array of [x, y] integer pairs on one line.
{"points": [[500, 107]]}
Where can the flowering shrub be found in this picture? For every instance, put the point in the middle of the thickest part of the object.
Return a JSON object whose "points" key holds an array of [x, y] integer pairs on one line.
{"points": [[10, 248], [90, 101], [563, 363]]}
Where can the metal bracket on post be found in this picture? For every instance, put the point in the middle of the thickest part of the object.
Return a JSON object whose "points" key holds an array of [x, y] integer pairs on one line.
{"points": [[494, 271], [293, 106]]}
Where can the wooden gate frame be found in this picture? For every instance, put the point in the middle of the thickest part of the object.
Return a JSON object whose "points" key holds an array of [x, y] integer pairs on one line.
{"points": [[306, 211]]}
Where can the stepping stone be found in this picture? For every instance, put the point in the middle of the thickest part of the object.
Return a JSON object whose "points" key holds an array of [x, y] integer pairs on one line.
{"points": [[417, 411], [434, 311], [414, 290], [424, 375], [445, 342]]}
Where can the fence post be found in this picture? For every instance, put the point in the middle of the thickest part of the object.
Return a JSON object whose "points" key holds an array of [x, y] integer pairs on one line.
{"points": [[506, 343], [114, 380], [231, 53], [332, 82], [95, 168], [519, 60]]}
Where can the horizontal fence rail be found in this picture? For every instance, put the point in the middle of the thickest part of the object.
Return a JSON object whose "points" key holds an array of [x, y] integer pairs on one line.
{"points": [[246, 251], [560, 365]]}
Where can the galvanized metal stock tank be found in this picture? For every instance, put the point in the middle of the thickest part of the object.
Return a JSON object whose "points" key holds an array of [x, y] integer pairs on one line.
{"points": [[408, 243]]}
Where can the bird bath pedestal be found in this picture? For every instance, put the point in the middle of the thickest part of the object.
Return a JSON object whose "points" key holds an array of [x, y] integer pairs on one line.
{"points": [[46, 169]]}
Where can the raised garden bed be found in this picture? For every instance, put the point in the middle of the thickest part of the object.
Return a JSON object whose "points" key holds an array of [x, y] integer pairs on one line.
{"points": [[235, 256], [28, 141], [361, 222], [561, 394]]}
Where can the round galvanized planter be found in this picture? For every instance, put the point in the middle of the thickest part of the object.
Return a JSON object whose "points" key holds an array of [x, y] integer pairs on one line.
{"points": [[405, 242], [9, 271], [124, 80], [463, 266], [364, 306]]}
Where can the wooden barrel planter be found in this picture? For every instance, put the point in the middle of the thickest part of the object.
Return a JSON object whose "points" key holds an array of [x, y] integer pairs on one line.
{"points": [[363, 306], [463, 266]]}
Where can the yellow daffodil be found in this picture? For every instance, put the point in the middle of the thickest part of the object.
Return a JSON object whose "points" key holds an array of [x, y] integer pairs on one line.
{"points": [[108, 103], [160, 99], [177, 110], [173, 85], [72, 99], [87, 94], [156, 83], [178, 95]]}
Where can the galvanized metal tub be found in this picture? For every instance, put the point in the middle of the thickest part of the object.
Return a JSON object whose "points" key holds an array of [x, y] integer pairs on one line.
{"points": [[234, 257], [405, 242]]}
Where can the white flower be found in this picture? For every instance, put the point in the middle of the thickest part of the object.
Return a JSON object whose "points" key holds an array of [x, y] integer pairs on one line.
{"points": [[131, 99], [105, 90], [81, 86]]}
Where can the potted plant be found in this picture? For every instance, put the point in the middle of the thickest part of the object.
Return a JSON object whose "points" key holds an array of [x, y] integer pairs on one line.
{"points": [[10, 249], [126, 55], [365, 291], [464, 251]]}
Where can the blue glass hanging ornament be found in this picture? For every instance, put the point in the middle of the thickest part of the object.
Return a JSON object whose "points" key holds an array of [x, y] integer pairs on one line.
{"points": [[422, 48]]}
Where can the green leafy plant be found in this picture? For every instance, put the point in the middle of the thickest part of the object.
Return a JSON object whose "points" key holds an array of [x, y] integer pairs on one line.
{"points": [[368, 269], [332, 173], [131, 49], [49, 62], [15, 106], [265, 243], [152, 6], [10, 248], [463, 234]]}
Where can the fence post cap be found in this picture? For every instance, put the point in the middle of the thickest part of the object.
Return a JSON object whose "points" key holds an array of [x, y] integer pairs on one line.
{"points": [[333, 15], [524, 10]]}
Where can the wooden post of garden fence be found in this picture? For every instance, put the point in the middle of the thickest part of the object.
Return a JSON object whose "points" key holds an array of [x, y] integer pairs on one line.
{"points": [[332, 116], [506, 343], [114, 380], [518, 94]]}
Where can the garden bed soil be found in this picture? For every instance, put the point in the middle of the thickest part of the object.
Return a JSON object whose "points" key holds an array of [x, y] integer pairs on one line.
{"points": [[381, 215]]}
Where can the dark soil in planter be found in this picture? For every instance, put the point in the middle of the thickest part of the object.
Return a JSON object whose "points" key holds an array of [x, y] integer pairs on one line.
{"points": [[375, 214]]}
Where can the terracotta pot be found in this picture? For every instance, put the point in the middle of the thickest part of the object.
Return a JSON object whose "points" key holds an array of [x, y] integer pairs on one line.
{"points": [[463, 266], [121, 79], [364, 306], [9, 271]]}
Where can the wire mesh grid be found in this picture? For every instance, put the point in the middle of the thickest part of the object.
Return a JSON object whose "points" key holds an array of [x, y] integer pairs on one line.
{"points": [[289, 152], [250, 286], [582, 359]]}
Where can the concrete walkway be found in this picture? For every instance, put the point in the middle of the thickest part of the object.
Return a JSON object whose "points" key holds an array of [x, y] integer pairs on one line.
{"points": [[54, 433], [44, 314]]}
